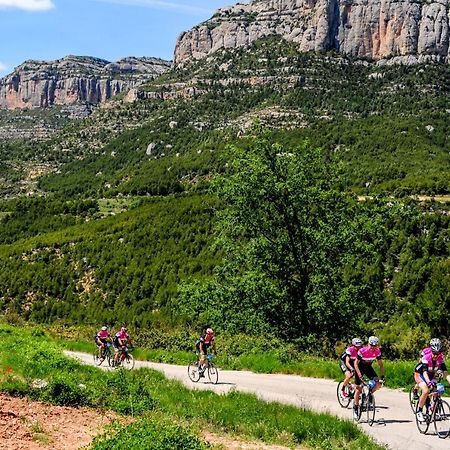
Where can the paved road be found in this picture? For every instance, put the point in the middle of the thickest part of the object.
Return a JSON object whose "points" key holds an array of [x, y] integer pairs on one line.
{"points": [[395, 426]]}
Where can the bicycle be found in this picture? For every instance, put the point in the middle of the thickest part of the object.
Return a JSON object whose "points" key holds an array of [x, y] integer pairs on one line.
{"points": [[344, 401], [437, 411], [195, 372], [106, 354], [414, 396], [367, 402], [125, 360]]}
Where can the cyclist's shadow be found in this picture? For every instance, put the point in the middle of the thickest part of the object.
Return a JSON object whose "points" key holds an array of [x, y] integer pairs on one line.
{"points": [[220, 383]]}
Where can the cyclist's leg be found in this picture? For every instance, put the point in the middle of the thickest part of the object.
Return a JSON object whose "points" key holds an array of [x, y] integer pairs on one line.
{"points": [[372, 375], [424, 395], [358, 387]]}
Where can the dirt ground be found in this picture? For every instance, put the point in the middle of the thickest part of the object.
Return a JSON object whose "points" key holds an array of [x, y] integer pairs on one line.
{"points": [[34, 425], [29, 425]]}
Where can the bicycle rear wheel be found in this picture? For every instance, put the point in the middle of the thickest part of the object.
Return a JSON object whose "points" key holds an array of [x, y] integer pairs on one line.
{"points": [[343, 401], [441, 419], [370, 407], [213, 373], [128, 362], [97, 360], [414, 398], [422, 426], [193, 372]]}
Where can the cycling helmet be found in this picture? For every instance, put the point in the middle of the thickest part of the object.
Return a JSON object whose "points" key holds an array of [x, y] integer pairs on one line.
{"points": [[125, 329], [373, 340], [435, 345], [104, 327], [357, 342], [209, 331]]}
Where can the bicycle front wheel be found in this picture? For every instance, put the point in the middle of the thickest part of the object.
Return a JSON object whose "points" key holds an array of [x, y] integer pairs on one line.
{"points": [[343, 396], [213, 373], [370, 407], [441, 419], [128, 362], [193, 372], [422, 426], [97, 360], [414, 395]]}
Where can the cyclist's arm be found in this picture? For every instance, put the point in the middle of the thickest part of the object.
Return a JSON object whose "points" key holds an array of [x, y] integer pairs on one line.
{"points": [[347, 363], [357, 370], [423, 369], [381, 366]]}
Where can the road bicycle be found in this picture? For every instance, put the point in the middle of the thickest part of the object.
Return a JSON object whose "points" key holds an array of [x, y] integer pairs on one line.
{"points": [[195, 372], [437, 411], [106, 355], [344, 400], [125, 359], [414, 396], [367, 403]]}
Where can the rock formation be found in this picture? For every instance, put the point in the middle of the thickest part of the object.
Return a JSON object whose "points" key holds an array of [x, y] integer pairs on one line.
{"points": [[408, 30], [74, 79]]}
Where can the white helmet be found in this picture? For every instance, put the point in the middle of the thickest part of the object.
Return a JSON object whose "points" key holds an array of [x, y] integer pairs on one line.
{"points": [[104, 328], [373, 340], [357, 342], [435, 345], [209, 331]]}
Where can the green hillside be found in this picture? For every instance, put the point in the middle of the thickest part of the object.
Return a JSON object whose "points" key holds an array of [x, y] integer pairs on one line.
{"points": [[116, 229]]}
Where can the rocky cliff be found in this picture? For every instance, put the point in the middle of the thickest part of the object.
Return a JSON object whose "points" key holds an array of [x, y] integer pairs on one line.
{"points": [[405, 30], [74, 79]]}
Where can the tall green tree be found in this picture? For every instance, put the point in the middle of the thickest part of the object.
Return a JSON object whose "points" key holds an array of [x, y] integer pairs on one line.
{"points": [[302, 255]]}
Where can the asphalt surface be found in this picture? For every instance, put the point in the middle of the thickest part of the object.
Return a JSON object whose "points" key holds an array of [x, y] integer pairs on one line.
{"points": [[394, 424]]}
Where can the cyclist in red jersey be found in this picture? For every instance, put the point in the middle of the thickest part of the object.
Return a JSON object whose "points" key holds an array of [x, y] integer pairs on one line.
{"points": [[206, 341], [363, 366], [432, 361]]}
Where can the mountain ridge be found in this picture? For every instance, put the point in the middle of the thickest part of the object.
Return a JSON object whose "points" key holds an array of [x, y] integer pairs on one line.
{"points": [[75, 79]]}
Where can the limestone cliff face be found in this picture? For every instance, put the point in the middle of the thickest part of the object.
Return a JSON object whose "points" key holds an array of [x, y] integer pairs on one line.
{"points": [[375, 29], [73, 80]]}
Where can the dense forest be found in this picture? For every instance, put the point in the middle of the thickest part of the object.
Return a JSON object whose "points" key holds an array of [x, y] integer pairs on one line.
{"points": [[238, 205]]}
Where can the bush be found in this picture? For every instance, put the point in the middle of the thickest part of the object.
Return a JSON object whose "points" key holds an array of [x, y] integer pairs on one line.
{"points": [[63, 392], [151, 434]]}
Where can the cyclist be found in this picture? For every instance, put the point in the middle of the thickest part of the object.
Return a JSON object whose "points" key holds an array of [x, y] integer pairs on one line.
{"points": [[432, 361], [207, 340], [347, 363], [120, 340], [102, 338], [363, 366]]}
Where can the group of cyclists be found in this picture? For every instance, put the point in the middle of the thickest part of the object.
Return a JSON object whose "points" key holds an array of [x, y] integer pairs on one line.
{"points": [[119, 341], [357, 361]]}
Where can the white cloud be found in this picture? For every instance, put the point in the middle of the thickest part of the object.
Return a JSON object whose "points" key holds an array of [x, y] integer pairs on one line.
{"points": [[162, 4], [3, 67], [28, 5]]}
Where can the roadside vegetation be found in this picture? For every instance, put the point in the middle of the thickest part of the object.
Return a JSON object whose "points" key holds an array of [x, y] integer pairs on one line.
{"points": [[35, 367]]}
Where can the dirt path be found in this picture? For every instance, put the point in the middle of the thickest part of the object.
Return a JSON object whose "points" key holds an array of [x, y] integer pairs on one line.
{"points": [[395, 424], [35, 426]]}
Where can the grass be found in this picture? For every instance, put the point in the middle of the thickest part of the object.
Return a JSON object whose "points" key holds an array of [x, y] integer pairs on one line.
{"points": [[163, 402]]}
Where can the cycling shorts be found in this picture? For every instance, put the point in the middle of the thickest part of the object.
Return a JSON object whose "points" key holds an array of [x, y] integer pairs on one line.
{"points": [[343, 366], [419, 378], [368, 371], [100, 341]]}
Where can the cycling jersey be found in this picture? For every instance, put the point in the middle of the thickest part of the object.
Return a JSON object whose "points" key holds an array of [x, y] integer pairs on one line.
{"points": [[351, 352], [367, 355], [103, 334], [123, 336], [206, 341], [429, 364]]}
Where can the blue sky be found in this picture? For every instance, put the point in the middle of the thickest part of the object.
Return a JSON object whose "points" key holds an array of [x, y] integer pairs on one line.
{"points": [[109, 29]]}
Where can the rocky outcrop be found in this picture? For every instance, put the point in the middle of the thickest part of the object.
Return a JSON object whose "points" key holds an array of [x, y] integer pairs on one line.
{"points": [[409, 30], [73, 79]]}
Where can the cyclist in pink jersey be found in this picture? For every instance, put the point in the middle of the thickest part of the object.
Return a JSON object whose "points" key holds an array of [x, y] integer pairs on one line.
{"points": [[102, 338], [431, 362], [120, 341], [347, 363], [363, 366]]}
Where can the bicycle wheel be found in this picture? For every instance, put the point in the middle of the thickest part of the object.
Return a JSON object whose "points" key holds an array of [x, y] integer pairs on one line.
{"points": [[370, 408], [441, 419], [128, 362], [213, 373], [414, 398], [422, 426], [193, 372], [344, 401]]}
